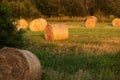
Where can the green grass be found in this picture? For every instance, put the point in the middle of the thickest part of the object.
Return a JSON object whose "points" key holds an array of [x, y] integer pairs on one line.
{"points": [[80, 67], [88, 54]]}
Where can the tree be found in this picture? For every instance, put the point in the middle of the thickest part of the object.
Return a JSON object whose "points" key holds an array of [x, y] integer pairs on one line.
{"points": [[61, 7], [74, 7], [9, 36], [38, 8], [22, 8], [90, 6], [109, 6], [48, 7]]}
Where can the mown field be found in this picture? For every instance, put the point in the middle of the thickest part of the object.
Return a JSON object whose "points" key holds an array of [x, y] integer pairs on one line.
{"points": [[88, 54]]}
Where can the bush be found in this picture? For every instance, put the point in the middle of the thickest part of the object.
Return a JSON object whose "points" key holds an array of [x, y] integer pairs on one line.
{"points": [[100, 15], [111, 17], [9, 36]]}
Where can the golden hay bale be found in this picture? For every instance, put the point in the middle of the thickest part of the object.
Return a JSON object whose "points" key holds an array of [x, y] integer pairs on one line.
{"points": [[18, 64], [38, 25], [91, 22], [116, 22], [56, 32], [22, 24], [91, 17]]}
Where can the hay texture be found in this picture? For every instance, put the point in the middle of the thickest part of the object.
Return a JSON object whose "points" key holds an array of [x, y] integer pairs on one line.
{"points": [[56, 32], [38, 25], [18, 64], [116, 22], [22, 24], [90, 22]]}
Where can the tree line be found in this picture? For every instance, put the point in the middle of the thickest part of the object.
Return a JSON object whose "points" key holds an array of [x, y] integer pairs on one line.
{"points": [[53, 8]]}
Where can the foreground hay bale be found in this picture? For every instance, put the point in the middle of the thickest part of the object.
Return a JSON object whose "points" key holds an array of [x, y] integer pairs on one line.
{"points": [[18, 64], [116, 22], [56, 32], [22, 24], [91, 22], [38, 25]]}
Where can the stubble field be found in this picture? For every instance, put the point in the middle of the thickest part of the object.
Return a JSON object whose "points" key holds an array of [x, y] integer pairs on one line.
{"points": [[88, 54]]}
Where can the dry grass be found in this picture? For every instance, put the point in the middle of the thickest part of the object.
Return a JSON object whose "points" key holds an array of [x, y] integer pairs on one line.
{"points": [[88, 54], [100, 49], [103, 39], [65, 19], [67, 60]]}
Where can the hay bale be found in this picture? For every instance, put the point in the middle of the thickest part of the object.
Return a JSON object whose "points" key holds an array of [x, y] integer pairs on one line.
{"points": [[91, 17], [56, 32], [18, 64], [116, 22], [91, 22], [22, 24], [38, 25]]}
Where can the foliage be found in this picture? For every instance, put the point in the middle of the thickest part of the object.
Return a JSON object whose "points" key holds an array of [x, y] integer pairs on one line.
{"points": [[53, 8], [109, 6], [9, 36], [61, 7], [21, 8]]}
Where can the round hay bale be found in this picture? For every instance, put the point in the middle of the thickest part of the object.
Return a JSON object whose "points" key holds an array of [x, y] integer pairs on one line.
{"points": [[116, 22], [91, 22], [18, 64], [56, 32], [38, 25], [91, 17], [22, 24]]}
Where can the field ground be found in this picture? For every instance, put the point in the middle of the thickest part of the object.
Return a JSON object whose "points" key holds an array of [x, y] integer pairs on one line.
{"points": [[88, 54]]}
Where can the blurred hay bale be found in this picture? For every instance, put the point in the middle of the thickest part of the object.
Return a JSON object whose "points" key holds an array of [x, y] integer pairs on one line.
{"points": [[56, 32], [91, 17], [18, 64], [38, 25], [116, 22], [91, 22], [22, 24]]}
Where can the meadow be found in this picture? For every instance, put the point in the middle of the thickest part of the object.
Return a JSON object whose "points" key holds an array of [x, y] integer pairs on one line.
{"points": [[88, 54]]}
